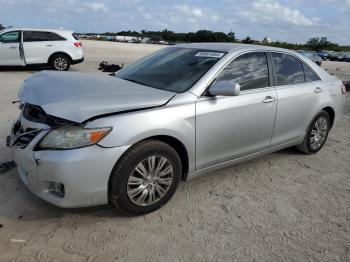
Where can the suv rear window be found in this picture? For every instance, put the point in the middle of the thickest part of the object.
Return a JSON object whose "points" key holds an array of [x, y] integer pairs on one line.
{"points": [[38, 36], [75, 37]]}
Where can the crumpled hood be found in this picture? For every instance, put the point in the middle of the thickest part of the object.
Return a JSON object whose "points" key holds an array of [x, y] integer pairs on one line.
{"points": [[79, 96]]}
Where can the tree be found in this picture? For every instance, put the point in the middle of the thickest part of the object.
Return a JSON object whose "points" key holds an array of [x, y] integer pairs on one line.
{"points": [[231, 36], [210, 36], [248, 40], [322, 43], [1, 27]]}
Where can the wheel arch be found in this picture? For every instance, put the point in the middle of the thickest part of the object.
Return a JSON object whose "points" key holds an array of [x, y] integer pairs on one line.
{"points": [[59, 53], [173, 142], [330, 111], [180, 149]]}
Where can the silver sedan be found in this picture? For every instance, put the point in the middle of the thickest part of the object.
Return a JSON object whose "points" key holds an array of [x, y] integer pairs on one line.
{"points": [[128, 140]]}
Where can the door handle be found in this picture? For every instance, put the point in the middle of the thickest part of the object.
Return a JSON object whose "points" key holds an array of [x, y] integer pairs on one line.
{"points": [[13, 47], [268, 99], [318, 90], [49, 45]]}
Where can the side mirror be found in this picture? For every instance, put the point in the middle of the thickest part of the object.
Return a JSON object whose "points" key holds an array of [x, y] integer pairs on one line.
{"points": [[224, 88]]}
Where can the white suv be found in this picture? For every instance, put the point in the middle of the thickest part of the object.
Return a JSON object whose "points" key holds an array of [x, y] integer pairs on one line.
{"points": [[58, 48]]}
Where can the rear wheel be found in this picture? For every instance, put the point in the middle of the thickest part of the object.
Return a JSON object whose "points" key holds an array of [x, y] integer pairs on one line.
{"points": [[145, 179], [317, 134], [60, 62]]}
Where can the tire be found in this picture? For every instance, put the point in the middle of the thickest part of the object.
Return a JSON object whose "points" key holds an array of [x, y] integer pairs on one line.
{"points": [[134, 190], [60, 62], [312, 145]]}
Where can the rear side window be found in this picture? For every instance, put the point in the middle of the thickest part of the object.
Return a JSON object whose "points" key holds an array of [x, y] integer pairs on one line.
{"points": [[11, 37], [249, 70], [310, 75], [55, 37], [288, 69], [37, 36]]}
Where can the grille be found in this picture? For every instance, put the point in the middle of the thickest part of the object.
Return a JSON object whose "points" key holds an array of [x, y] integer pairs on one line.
{"points": [[24, 140], [24, 137]]}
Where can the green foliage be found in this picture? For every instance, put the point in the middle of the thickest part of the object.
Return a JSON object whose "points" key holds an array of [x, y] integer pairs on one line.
{"points": [[318, 44], [170, 36], [314, 44], [248, 40]]}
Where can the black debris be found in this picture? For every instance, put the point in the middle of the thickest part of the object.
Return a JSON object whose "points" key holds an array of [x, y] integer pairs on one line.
{"points": [[111, 68]]}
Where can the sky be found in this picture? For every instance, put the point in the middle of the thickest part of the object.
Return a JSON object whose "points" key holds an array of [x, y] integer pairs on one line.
{"points": [[285, 20]]}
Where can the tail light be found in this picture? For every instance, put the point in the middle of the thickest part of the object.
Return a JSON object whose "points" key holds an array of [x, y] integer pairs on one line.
{"points": [[78, 44], [343, 89]]}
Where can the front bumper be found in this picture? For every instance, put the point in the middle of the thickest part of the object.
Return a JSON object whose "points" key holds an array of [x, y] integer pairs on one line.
{"points": [[84, 173]]}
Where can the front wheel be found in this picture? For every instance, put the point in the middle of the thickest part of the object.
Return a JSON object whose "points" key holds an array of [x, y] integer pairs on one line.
{"points": [[145, 179], [317, 134], [60, 62]]}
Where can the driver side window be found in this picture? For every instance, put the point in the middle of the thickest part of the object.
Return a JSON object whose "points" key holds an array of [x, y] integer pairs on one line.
{"points": [[10, 37], [249, 70]]}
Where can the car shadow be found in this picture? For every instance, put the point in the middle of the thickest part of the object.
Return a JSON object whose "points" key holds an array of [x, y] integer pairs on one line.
{"points": [[31, 207], [289, 151], [24, 68]]}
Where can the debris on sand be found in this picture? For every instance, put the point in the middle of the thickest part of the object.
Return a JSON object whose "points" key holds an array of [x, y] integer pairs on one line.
{"points": [[112, 68]]}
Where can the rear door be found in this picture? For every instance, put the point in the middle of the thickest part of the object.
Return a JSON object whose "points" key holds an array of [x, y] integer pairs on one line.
{"points": [[231, 127], [10, 44], [38, 46], [299, 91]]}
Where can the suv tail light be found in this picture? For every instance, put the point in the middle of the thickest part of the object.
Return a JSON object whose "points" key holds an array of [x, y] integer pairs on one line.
{"points": [[78, 44], [343, 89]]}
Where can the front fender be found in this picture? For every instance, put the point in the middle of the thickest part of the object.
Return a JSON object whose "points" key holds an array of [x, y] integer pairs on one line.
{"points": [[129, 128]]}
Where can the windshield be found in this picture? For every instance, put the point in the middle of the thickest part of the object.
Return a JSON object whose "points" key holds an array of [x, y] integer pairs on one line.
{"points": [[173, 69]]}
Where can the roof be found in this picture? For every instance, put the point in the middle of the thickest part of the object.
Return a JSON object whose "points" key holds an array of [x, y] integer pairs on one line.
{"points": [[228, 47]]}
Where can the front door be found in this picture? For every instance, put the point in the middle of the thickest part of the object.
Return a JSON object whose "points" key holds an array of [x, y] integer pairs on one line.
{"points": [[231, 127], [10, 44]]}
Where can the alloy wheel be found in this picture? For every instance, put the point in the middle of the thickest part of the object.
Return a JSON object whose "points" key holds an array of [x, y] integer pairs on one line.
{"points": [[318, 133], [61, 63], [150, 180]]}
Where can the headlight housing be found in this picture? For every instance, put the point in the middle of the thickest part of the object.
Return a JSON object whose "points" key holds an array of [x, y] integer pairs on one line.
{"points": [[70, 137]]}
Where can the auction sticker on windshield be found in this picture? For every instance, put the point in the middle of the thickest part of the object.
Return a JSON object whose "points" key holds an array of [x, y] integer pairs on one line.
{"points": [[210, 54]]}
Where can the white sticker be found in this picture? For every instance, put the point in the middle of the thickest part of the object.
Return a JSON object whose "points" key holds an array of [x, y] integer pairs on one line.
{"points": [[210, 54]]}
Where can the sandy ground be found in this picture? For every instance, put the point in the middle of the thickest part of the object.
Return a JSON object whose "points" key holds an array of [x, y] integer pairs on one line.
{"points": [[281, 207]]}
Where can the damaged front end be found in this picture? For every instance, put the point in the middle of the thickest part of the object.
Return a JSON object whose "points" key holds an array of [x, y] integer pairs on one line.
{"points": [[22, 132]]}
